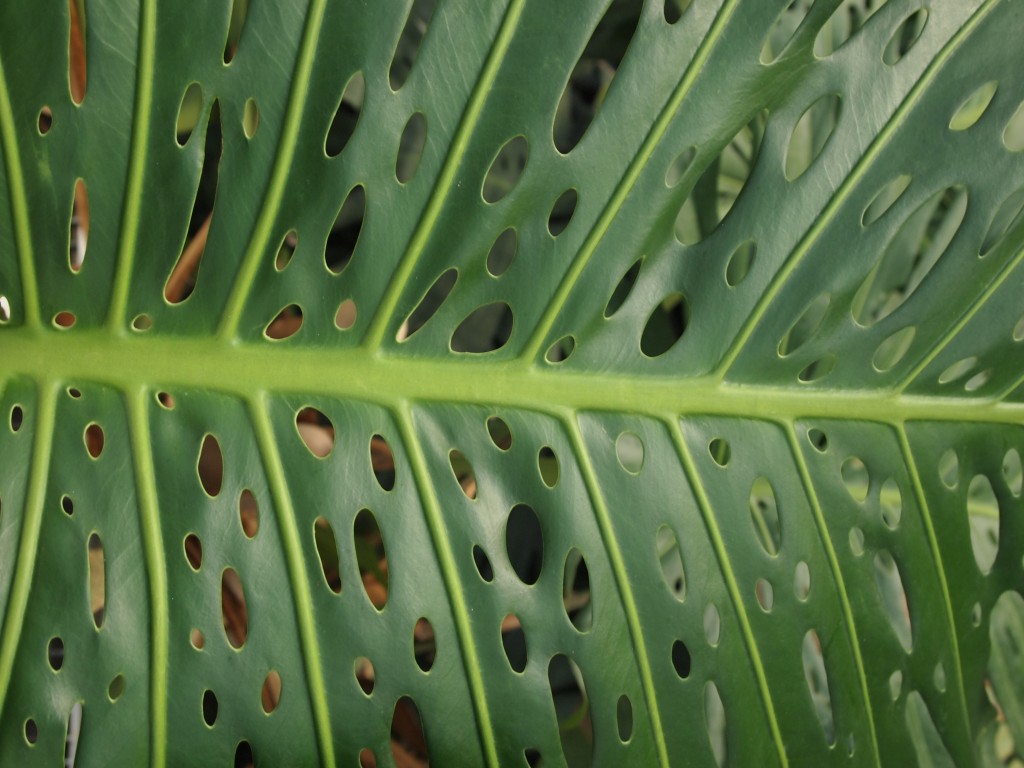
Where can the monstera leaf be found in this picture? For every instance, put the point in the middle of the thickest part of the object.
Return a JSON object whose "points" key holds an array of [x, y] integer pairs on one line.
{"points": [[509, 383]]}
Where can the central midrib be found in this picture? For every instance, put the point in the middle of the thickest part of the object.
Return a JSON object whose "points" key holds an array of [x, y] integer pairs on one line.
{"points": [[355, 373]]}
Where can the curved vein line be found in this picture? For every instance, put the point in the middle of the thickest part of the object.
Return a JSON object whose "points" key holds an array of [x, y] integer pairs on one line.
{"points": [[156, 570], [19, 204], [137, 170], [280, 174], [297, 576], [626, 184], [28, 547], [933, 544], [611, 547], [450, 574], [730, 582], [837, 576], [467, 124], [842, 193]]}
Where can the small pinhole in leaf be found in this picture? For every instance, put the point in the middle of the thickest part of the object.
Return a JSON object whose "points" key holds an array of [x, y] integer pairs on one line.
{"points": [[547, 462], [234, 610], [524, 542], [410, 148], [720, 451], [372, 558], [513, 640], [346, 116], [382, 461], [194, 551], [665, 325], [210, 465], [502, 253], [506, 168], [55, 653], [429, 304], [316, 431], [485, 329], [629, 450], [562, 212], [499, 432], [270, 694], [249, 513], [623, 288], [464, 474], [209, 707], [740, 263], [327, 552], [94, 440], [681, 661], [424, 644], [905, 36]]}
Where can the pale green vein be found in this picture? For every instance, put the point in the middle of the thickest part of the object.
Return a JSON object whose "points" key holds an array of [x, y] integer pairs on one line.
{"points": [[297, 576], [453, 585], [19, 204], [842, 194], [962, 323], [933, 544], [156, 571], [626, 184], [279, 176], [137, 167], [629, 608], [840, 582], [704, 503], [28, 547], [467, 124]]}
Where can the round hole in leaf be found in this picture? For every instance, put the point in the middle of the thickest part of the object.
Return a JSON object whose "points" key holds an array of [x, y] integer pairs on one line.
{"points": [[428, 305], [67, 505], [629, 450], [366, 758], [372, 558], [116, 688], [197, 639], [142, 323], [189, 113], [973, 107], [576, 597], [665, 325], [31, 732], [346, 315], [243, 755], [94, 439], [817, 370], [17, 418], [817, 439], [712, 625], [811, 134], [44, 121], [764, 515], [671, 559], [817, 684], [720, 451], [286, 250], [64, 320], [560, 350], [978, 380], [983, 514], [410, 148], [343, 239], [382, 461], [1012, 471], [806, 326], [894, 597], [316, 431], [895, 684], [346, 115], [165, 400], [905, 36], [857, 541], [885, 199], [408, 741]]}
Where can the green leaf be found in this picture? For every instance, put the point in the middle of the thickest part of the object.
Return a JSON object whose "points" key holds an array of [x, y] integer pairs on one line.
{"points": [[636, 382]]}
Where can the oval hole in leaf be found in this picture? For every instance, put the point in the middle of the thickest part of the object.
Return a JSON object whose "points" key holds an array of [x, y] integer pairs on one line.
{"points": [[424, 644], [506, 168], [817, 684], [429, 304], [740, 263], [674, 9], [248, 513], [1007, 215], [408, 744], [193, 551], [327, 552], [671, 558], [410, 147], [344, 236], [55, 653], [270, 694], [806, 326], [894, 597], [485, 329], [210, 465], [45, 121], [893, 349], [846, 20], [720, 451], [765, 595], [680, 165], [547, 462], [97, 579], [939, 678], [817, 369], [286, 250], [885, 199], [811, 134], [524, 543], [5, 310], [1012, 471], [416, 25], [905, 37], [764, 514], [372, 558], [250, 118], [891, 501], [783, 30], [592, 76], [345, 317], [978, 380], [67, 505], [482, 563], [243, 755], [958, 370], [629, 450], [983, 515], [971, 111], [233, 608], [196, 639], [560, 350], [681, 661], [665, 325], [382, 461], [94, 440], [367, 759], [210, 707], [365, 676], [576, 597], [116, 688], [513, 641], [78, 234], [895, 684], [623, 288], [346, 116], [562, 212], [285, 324], [712, 625], [64, 320], [624, 712], [715, 723], [502, 253], [236, 23], [802, 581], [142, 322], [855, 478], [189, 111], [1013, 133], [499, 432], [316, 431], [76, 70], [17, 418], [857, 541], [463, 471], [572, 711]]}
